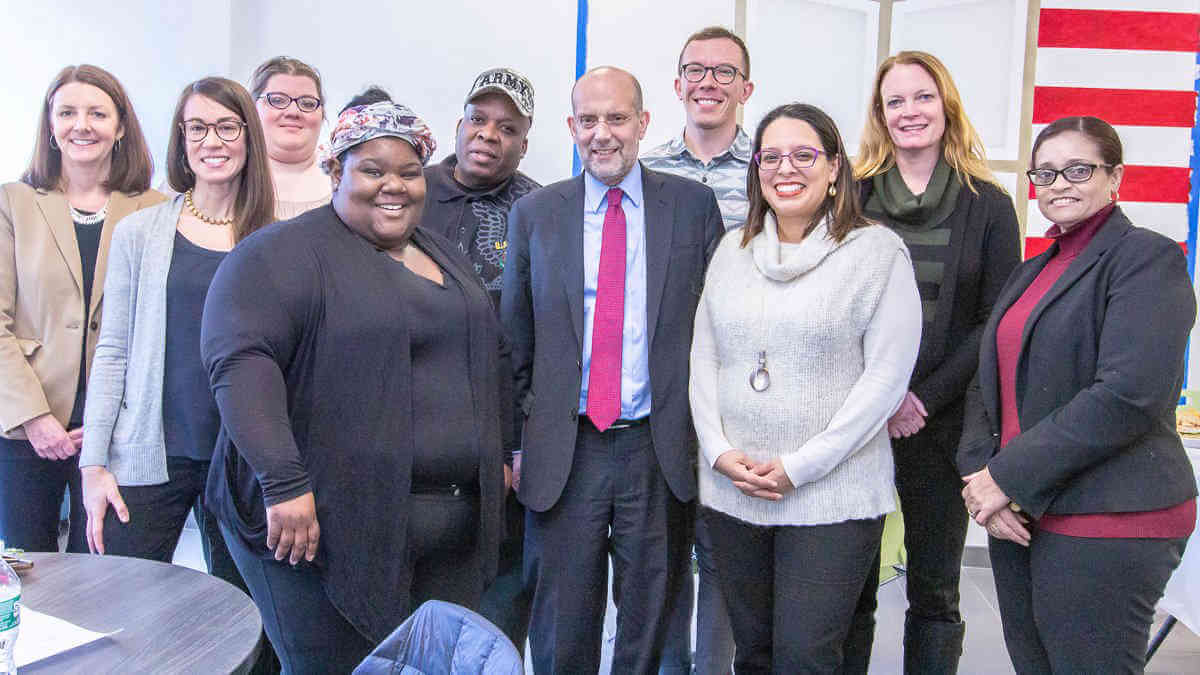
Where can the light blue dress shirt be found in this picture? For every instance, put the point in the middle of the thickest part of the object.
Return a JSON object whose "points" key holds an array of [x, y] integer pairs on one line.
{"points": [[635, 351]]}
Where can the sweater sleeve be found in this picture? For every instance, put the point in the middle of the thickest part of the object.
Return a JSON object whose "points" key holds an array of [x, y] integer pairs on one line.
{"points": [[1000, 255], [254, 317], [702, 388], [890, 346], [106, 382]]}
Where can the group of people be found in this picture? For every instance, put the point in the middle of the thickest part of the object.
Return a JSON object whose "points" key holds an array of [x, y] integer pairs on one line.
{"points": [[356, 370]]}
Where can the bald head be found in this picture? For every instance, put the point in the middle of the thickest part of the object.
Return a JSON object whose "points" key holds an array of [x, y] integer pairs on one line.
{"points": [[609, 77]]}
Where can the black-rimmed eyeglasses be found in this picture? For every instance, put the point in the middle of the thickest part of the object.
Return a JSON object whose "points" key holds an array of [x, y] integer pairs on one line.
{"points": [[802, 157], [1076, 173], [280, 100], [197, 130], [695, 72]]}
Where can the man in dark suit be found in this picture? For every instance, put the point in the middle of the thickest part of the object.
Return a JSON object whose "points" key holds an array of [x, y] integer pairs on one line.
{"points": [[601, 283]]}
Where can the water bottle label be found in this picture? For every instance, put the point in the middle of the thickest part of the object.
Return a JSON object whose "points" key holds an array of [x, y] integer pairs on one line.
{"points": [[10, 613]]}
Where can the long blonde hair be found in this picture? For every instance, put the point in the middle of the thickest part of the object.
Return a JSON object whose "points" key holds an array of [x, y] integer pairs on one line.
{"points": [[962, 147]]}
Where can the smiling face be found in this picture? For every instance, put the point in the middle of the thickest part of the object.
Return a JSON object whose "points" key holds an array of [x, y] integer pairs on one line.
{"points": [[607, 125], [379, 191], [795, 194], [213, 160], [912, 108], [1065, 203], [291, 133], [85, 124], [709, 104], [491, 140]]}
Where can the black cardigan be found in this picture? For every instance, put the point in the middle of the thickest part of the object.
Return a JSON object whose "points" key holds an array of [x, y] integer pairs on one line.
{"points": [[984, 249], [306, 342], [1098, 379]]}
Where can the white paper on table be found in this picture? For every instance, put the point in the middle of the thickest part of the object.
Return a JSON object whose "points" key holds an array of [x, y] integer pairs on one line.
{"points": [[42, 636], [1181, 598]]}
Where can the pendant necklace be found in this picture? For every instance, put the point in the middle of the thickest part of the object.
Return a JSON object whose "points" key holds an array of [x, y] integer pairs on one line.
{"points": [[760, 379]]}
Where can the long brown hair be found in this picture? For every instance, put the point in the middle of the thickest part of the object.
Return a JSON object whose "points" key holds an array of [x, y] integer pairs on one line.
{"points": [[132, 164], [843, 209], [255, 203], [962, 146]]}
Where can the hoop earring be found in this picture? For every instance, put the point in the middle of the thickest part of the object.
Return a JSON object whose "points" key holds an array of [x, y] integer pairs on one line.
{"points": [[832, 190], [53, 145]]}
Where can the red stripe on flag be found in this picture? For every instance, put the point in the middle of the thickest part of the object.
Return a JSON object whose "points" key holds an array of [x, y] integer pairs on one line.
{"points": [[1134, 107], [1035, 246], [1163, 184], [1101, 29]]}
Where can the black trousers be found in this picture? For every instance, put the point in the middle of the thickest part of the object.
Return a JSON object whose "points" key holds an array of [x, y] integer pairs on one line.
{"points": [[1080, 605], [309, 633], [507, 601], [714, 636], [615, 500], [795, 593], [31, 497]]}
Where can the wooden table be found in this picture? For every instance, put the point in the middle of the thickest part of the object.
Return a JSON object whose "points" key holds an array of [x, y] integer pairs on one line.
{"points": [[175, 619]]}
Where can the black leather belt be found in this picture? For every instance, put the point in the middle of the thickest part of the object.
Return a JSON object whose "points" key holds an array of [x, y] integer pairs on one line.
{"points": [[451, 489], [617, 424]]}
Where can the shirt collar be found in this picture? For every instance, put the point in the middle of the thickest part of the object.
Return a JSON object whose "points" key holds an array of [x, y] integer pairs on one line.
{"points": [[739, 150], [595, 192]]}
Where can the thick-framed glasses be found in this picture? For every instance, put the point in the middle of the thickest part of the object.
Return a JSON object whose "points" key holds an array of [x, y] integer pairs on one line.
{"points": [[695, 72], [1076, 173], [197, 130], [802, 157], [280, 100]]}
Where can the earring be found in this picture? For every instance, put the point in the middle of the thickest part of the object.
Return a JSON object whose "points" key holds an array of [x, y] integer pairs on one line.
{"points": [[117, 146], [53, 145], [832, 190]]}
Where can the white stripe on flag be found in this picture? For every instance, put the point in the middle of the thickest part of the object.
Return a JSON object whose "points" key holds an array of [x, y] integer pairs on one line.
{"points": [[1169, 220], [1151, 146], [1116, 69]]}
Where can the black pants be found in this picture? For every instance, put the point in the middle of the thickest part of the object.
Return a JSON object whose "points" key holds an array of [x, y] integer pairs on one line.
{"points": [[935, 529], [615, 500], [507, 601], [31, 497], [714, 636], [309, 633], [795, 594], [1080, 605]]}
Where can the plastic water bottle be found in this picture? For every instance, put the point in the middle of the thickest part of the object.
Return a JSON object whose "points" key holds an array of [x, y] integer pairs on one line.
{"points": [[10, 615]]}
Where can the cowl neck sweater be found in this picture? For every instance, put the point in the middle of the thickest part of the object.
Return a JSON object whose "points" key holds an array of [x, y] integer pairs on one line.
{"points": [[781, 261]]}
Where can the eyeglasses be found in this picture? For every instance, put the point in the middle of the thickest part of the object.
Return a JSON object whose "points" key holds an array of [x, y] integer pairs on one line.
{"points": [[197, 130], [802, 157], [695, 72], [1076, 173], [280, 100]]}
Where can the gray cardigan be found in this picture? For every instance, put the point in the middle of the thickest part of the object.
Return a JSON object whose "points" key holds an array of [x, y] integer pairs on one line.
{"points": [[123, 418]]}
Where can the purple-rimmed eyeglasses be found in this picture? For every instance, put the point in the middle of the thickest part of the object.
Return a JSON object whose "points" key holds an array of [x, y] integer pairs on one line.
{"points": [[802, 157]]}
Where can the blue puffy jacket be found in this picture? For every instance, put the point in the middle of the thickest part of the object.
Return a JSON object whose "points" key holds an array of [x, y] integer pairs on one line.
{"points": [[442, 638]]}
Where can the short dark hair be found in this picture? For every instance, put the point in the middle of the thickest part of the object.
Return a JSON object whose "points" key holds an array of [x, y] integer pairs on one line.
{"points": [[132, 164], [717, 33], [1099, 131], [255, 204], [284, 65], [844, 211], [370, 95]]}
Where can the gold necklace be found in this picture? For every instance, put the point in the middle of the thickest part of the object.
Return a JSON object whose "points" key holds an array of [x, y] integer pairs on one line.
{"points": [[187, 201]]}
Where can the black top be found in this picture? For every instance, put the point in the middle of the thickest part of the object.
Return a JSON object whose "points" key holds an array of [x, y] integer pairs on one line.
{"points": [[445, 440], [982, 247], [88, 238], [477, 220], [307, 336], [1098, 379], [190, 417]]}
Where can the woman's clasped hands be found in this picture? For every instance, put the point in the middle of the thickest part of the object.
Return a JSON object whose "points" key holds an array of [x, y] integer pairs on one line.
{"points": [[990, 507], [765, 480]]}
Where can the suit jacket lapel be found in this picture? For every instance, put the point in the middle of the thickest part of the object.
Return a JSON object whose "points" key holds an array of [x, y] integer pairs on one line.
{"points": [[570, 218], [53, 205], [119, 206], [988, 358], [659, 226]]}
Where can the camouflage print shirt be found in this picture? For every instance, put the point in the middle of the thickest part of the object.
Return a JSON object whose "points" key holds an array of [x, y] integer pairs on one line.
{"points": [[476, 220], [725, 174]]}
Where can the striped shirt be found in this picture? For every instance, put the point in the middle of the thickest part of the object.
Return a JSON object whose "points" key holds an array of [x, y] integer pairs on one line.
{"points": [[725, 174]]}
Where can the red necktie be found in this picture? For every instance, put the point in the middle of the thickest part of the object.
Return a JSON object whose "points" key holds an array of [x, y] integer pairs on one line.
{"points": [[608, 319]]}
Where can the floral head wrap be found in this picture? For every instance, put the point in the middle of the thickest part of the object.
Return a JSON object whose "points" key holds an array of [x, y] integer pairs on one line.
{"points": [[365, 122]]}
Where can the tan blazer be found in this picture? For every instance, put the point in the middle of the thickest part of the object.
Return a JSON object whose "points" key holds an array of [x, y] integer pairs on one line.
{"points": [[41, 301]]}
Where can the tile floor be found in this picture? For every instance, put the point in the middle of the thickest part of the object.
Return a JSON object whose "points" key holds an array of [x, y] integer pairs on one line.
{"points": [[983, 651]]}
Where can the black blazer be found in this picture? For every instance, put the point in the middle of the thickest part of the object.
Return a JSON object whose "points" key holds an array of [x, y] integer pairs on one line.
{"points": [[542, 310], [1098, 379], [984, 249]]}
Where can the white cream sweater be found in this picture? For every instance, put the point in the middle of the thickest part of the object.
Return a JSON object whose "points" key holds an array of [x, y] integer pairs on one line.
{"points": [[841, 325]]}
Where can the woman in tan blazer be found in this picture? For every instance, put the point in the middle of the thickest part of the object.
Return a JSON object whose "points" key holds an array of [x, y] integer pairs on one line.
{"points": [[90, 168]]}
